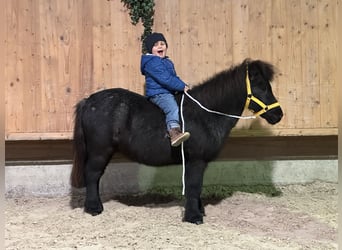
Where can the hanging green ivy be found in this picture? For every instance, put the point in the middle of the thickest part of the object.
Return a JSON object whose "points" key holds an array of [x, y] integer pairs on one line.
{"points": [[141, 10]]}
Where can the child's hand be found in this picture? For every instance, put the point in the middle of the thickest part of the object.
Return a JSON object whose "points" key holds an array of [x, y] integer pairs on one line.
{"points": [[187, 87]]}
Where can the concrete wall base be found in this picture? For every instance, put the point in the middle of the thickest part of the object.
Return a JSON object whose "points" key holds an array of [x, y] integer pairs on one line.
{"points": [[132, 178]]}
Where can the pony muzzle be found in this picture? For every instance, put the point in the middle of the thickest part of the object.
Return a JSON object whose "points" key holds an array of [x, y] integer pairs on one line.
{"points": [[264, 108]]}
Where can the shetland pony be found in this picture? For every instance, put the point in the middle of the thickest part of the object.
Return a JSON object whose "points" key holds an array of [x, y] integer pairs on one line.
{"points": [[118, 120]]}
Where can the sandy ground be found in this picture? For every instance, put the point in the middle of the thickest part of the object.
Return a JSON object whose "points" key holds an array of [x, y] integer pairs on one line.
{"points": [[302, 217]]}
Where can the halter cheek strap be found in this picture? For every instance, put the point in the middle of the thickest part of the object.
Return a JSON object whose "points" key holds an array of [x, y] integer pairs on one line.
{"points": [[251, 97]]}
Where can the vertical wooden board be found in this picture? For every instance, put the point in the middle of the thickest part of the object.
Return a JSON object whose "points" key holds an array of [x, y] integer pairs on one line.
{"points": [[166, 21], [278, 33], [70, 51], [328, 29], [23, 20], [13, 70], [162, 15], [291, 67], [240, 30], [69, 63], [31, 59], [266, 14], [139, 79], [292, 63], [201, 41], [329, 104], [86, 47], [102, 45], [120, 29], [127, 49], [223, 37], [257, 30], [135, 80], [311, 107], [49, 64], [198, 35], [175, 19], [208, 38], [278, 54], [188, 36]]}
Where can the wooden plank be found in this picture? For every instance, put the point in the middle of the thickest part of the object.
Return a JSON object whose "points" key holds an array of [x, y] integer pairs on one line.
{"points": [[126, 49], [236, 132], [86, 47], [31, 95], [327, 64], [222, 42], [256, 148], [69, 87], [291, 78], [49, 64], [102, 45], [257, 30], [13, 70], [38, 136], [240, 24], [284, 132], [310, 70], [188, 22], [207, 42]]}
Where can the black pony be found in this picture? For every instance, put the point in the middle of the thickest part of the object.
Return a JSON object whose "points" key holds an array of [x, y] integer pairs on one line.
{"points": [[115, 120]]}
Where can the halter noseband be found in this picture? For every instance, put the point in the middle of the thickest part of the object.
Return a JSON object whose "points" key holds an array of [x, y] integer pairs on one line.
{"points": [[251, 97]]}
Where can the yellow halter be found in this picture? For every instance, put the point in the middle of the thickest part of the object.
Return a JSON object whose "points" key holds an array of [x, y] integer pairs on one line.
{"points": [[251, 97]]}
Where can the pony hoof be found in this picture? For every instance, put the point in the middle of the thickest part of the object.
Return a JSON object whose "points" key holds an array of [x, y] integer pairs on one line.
{"points": [[93, 212], [93, 208], [196, 222], [199, 222]]}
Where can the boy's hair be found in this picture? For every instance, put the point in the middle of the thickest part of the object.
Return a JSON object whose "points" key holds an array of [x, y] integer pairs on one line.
{"points": [[151, 39]]}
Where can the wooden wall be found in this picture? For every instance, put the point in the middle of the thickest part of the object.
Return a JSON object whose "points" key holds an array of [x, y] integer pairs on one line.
{"points": [[59, 51]]}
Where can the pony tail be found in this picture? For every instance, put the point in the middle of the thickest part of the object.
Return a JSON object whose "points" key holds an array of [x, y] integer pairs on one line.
{"points": [[79, 149]]}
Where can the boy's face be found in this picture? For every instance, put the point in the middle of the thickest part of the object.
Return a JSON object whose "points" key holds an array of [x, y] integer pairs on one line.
{"points": [[159, 49]]}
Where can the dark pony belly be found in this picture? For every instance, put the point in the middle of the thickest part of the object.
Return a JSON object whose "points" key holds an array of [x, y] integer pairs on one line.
{"points": [[154, 150]]}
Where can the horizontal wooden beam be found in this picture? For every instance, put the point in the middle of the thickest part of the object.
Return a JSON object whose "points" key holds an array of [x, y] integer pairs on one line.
{"points": [[236, 148], [236, 132]]}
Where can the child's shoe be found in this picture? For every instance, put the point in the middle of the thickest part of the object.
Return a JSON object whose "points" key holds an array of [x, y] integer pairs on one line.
{"points": [[177, 137]]}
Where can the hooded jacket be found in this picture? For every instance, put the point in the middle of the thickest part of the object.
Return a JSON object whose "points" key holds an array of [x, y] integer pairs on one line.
{"points": [[160, 75]]}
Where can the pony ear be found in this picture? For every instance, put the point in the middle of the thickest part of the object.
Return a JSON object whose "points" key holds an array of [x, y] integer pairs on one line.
{"points": [[266, 69]]}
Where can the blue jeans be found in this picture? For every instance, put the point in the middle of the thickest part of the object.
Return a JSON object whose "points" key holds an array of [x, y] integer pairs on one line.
{"points": [[169, 105]]}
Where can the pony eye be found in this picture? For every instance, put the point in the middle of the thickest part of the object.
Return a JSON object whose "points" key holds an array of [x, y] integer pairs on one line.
{"points": [[264, 87]]}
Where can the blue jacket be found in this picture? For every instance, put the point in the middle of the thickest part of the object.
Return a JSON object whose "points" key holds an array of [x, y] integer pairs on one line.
{"points": [[160, 75]]}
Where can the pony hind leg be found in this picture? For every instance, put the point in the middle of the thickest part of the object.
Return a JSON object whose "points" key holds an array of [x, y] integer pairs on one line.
{"points": [[94, 169]]}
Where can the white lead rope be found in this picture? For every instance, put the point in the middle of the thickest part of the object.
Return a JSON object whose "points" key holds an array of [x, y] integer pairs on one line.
{"points": [[183, 128], [182, 146], [216, 112]]}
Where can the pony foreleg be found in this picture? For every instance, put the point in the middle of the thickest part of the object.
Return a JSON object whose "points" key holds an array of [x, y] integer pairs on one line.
{"points": [[194, 209]]}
